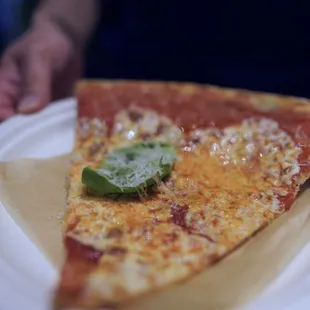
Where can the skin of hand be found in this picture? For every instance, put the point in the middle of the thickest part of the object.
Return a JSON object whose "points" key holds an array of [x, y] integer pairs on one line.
{"points": [[41, 66]]}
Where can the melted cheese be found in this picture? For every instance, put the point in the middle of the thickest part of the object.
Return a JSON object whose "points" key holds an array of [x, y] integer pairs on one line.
{"points": [[140, 124], [255, 140], [226, 185]]}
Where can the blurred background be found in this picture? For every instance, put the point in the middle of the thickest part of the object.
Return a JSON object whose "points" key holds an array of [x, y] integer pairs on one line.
{"points": [[14, 19], [200, 42]]}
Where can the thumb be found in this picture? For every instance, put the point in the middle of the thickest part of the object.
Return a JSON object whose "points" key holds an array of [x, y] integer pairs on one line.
{"points": [[36, 84]]}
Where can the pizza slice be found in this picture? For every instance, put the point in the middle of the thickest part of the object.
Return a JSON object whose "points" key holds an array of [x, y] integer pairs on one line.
{"points": [[167, 179]]}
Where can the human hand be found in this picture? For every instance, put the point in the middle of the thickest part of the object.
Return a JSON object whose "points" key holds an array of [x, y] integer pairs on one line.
{"points": [[41, 66]]}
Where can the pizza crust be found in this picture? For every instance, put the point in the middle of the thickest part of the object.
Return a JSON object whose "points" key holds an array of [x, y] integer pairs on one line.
{"points": [[85, 284], [261, 101]]}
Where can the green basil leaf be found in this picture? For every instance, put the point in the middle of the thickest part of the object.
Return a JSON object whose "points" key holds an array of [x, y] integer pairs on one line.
{"points": [[131, 169]]}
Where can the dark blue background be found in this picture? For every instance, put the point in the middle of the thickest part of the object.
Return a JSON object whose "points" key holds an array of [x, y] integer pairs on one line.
{"points": [[262, 45]]}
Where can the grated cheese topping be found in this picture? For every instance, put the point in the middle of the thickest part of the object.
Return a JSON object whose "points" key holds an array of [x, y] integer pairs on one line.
{"points": [[255, 140], [140, 124], [226, 184]]}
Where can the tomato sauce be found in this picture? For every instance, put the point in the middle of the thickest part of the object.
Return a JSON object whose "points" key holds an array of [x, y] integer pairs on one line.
{"points": [[82, 252], [198, 109], [80, 262]]}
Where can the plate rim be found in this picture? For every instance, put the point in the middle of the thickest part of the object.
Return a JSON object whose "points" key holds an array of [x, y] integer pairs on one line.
{"points": [[18, 122], [53, 108]]}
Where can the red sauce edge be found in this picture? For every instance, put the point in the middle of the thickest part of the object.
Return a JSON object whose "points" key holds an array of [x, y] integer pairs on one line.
{"points": [[188, 111], [288, 200], [80, 262], [79, 251], [199, 109]]}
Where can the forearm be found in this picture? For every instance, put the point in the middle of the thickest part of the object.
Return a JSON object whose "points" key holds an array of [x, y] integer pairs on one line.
{"points": [[76, 17]]}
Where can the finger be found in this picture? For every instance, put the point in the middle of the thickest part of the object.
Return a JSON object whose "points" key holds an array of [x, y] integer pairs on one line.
{"points": [[9, 93], [9, 81], [36, 83], [9, 67], [6, 112]]}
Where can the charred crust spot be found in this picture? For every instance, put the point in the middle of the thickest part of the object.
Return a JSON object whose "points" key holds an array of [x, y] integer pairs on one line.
{"points": [[160, 129], [145, 136], [215, 222], [115, 233], [213, 258], [135, 115], [116, 251], [202, 214], [195, 140], [94, 149], [178, 214]]}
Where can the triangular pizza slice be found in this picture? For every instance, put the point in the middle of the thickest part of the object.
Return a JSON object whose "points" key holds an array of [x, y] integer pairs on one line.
{"points": [[240, 160]]}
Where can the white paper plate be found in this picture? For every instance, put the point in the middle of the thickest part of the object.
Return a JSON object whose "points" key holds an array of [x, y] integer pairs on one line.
{"points": [[26, 278]]}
